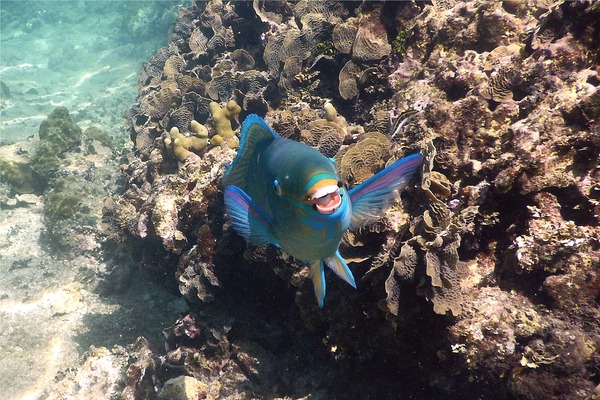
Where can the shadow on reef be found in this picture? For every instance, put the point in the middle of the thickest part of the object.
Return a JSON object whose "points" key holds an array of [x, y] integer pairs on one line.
{"points": [[482, 283], [263, 335], [123, 317]]}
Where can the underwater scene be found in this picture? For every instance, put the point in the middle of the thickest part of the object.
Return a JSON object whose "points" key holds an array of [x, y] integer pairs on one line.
{"points": [[300, 200]]}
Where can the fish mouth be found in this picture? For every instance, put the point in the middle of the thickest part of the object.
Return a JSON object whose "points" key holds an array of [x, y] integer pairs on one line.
{"points": [[326, 200]]}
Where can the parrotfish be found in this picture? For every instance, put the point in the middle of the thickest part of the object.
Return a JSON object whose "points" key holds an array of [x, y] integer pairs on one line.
{"points": [[288, 194]]}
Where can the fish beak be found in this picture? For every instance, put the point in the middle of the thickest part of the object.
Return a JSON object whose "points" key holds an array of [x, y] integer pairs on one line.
{"points": [[326, 200]]}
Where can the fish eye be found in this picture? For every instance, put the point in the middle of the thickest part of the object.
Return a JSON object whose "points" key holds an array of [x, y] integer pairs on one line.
{"points": [[277, 187]]}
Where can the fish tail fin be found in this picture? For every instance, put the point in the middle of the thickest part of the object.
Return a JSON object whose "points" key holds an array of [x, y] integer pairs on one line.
{"points": [[339, 266], [317, 272]]}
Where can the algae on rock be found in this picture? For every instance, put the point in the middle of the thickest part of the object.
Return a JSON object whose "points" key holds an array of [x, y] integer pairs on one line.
{"points": [[58, 134], [19, 176], [71, 212]]}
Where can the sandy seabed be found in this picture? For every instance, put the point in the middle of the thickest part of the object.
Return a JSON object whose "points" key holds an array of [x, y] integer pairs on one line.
{"points": [[84, 56]]}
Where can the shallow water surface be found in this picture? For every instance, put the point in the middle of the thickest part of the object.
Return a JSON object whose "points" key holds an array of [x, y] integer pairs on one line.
{"points": [[55, 304]]}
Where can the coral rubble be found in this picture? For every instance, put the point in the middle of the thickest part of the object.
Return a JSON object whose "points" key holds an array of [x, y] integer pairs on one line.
{"points": [[485, 279]]}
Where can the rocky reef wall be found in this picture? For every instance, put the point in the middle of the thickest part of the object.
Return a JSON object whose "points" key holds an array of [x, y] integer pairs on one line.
{"points": [[483, 283]]}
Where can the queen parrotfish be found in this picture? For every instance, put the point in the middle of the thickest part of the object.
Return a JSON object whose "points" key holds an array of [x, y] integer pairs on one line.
{"points": [[288, 194]]}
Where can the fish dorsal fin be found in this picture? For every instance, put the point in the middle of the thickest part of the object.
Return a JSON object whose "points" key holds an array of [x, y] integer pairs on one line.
{"points": [[255, 135], [374, 196], [248, 219]]}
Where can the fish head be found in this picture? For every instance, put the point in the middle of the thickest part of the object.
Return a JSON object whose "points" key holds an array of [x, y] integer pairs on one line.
{"points": [[308, 181]]}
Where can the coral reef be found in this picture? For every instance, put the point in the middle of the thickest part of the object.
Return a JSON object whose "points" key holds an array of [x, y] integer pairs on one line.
{"points": [[483, 280]]}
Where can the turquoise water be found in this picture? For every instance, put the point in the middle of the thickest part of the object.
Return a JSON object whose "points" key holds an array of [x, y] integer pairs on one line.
{"points": [[85, 55]]}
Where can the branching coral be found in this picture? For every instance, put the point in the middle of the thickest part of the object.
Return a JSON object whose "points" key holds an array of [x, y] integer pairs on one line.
{"points": [[184, 147], [222, 117]]}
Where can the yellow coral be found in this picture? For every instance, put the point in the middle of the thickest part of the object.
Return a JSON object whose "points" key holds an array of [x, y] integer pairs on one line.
{"points": [[181, 146], [199, 130], [225, 135], [331, 115]]}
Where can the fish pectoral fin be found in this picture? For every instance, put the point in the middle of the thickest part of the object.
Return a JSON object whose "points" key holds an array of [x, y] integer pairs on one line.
{"points": [[339, 266], [374, 196], [248, 218], [317, 273]]}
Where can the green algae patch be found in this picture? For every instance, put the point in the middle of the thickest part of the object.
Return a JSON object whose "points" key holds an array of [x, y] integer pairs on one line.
{"points": [[70, 208], [19, 176], [58, 134], [99, 135]]}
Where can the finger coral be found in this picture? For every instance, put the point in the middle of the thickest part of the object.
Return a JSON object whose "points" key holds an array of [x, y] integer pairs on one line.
{"points": [[222, 116], [183, 147]]}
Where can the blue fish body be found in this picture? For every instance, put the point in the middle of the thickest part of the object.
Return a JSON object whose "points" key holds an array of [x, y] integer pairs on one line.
{"points": [[288, 194]]}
